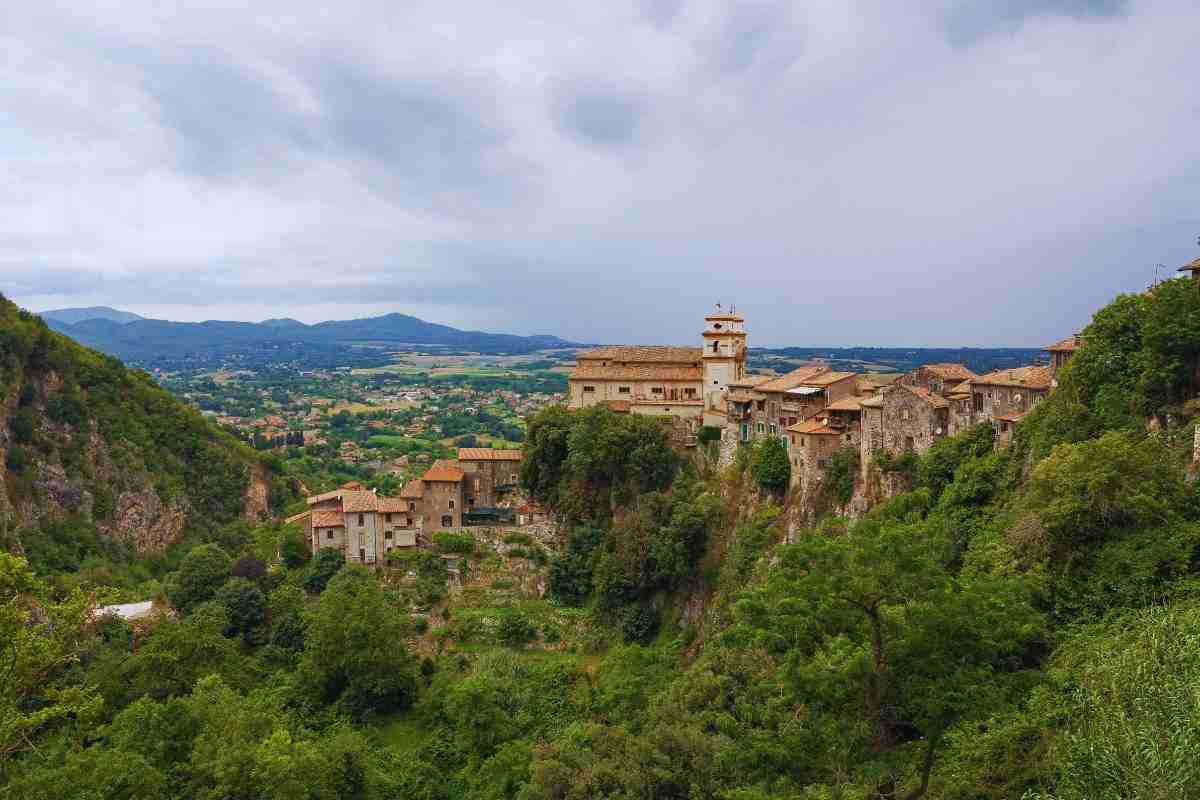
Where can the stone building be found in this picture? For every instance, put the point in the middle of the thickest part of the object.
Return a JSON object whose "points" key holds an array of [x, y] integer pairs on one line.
{"points": [[939, 378], [489, 475], [442, 495], [1061, 352], [683, 382], [760, 408], [913, 418], [1193, 267], [1007, 395], [358, 522]]}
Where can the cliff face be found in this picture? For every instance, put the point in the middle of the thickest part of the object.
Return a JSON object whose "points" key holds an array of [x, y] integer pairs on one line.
{"points": [[81, 436]]}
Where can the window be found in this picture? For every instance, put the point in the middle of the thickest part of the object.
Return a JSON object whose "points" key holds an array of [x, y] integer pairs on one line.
{"points": [[412, 506], [623, 390], [451, 504], [904, 414], [978, 401], [760, 427], [909, 444], [716, 326], [360, 520], [761, 405], [656, 390], [589, 389], [447, 520], [689, 393], [387, 534], [388, 517], [408, 522], [773, 429], [329, 533], [716, 345]]}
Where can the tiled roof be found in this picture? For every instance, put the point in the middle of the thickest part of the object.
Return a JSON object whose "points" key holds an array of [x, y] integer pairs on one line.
{"points": [[297, 517], [1068, 345], [1191, 266], [391, 505], [1028, 377], [875, 401], [620, 406], [357, 502], [328, 519], [730, 317], [643, 354], [933, 398], [323, 496], [354, 485], [829, 378], [413, 490], [740, 396], [814, 427], [949, 372], [792, 379], [645, 371], [487, 454], [445, 471], [851, 403], [751, 381]]}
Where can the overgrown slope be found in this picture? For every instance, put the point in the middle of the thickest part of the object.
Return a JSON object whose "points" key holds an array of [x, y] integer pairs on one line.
{"points": [[84, 438]]}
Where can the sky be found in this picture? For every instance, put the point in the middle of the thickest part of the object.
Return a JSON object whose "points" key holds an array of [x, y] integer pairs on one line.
{"points": [[848, 172]]}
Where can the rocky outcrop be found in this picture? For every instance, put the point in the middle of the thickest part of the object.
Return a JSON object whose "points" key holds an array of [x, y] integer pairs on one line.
{"points": [[147, 523], [257, 500]]}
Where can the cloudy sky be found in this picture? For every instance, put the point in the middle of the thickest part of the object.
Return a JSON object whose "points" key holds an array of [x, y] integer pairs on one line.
{"points": [[847, 171]]}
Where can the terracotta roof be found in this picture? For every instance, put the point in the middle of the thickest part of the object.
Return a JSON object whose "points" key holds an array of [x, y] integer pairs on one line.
{"points": [[487, 454], [297, 517], [852, 403], [1191, 266], [1068, 345], [814, 427], [934, 399], [323, 496], [875, 401], [740, 397], [949, 372], [391, 505], [357, 502], [1029, 377], [619, 406], [962, 388], [751, 381], [353, 485], [644, 371], [829, 378], [413, 490], [730, 317], [328, 519], [792, 379], [444, 471], [643, 354]]}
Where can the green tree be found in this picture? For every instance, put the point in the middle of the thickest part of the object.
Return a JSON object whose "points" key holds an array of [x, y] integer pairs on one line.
{"points": [[354, 651], [324, 565], [244, 604], [770, 465], [201, 573], [514, 629]]}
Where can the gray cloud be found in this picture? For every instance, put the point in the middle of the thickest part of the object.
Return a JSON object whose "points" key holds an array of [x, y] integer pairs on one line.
{"points": [[600, 114], [943, 173]]}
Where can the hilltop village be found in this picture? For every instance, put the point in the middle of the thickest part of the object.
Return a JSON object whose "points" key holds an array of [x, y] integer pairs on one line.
{"points": [[814, 410]]}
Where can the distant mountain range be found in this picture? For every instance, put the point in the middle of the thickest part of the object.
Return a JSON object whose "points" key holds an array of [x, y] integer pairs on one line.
{"points": [[355, 342]]}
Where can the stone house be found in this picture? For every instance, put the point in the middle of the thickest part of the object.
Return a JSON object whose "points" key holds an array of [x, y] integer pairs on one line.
{"points": [[938, 378], [770, 407], [442, 495], [361, 524], [913, 418], [1061, 352], [489, 475], [811, 444], [1007, 395]]}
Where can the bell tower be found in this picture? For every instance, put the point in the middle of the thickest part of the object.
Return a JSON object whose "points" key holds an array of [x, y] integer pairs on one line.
{"points": [[724, 354]]}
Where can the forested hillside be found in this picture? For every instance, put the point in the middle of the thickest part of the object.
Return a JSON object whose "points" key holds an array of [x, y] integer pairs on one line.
{"points": [[97, 459], [1021, 622]]}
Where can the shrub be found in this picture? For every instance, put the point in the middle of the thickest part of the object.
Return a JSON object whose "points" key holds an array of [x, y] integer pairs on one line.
{"points": [[841, 474], [16, 459], [515, 629], [325, 564], [516, 537], [22, 425], [250, 568], [709, 433], [451, 542], [639, 624]]}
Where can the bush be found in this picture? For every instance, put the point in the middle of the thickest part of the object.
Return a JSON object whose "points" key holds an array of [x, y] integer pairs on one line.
{"points": [[709, 433], [841, 474], [770, 466], [22, 425], [16, 460], [293, 550], [516, 537], [450, 542], [325, 564], [515, 629], [250, 568], [639, 624]]}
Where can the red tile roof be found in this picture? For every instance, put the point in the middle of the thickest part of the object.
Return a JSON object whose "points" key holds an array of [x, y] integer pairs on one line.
{"points": [[1191, 266], [814, 427], [358, 502], [949, 372], [1027, 377], [487, 454], [413, 490], [392, 505], [646, 371], [328, 519], [619, 406], [641, 354], [796, 377], [934, 399], [1068, 345], [443, 471]]}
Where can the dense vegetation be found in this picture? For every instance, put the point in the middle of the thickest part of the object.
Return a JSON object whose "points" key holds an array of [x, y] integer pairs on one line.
{"points": [[1021, 623]]}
